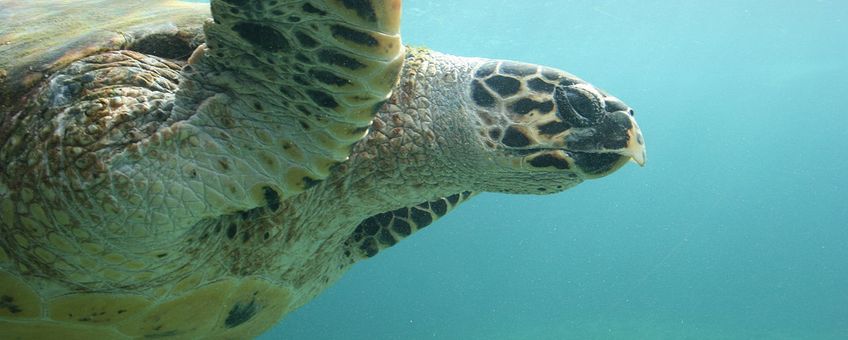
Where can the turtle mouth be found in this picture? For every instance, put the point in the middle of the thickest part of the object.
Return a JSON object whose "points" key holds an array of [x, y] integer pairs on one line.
{"points": [[598, 164], [590, 152], [584, 164]]}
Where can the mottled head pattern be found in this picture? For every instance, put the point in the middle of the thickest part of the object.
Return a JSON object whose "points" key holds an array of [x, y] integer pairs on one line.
{"points": [[548, 120]]}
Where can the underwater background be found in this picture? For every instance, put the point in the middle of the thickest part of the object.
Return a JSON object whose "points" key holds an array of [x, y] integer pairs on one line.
{"points": [[736, 229]]}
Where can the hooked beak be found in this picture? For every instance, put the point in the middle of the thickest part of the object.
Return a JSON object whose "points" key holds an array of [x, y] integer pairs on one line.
{"points": [[635, 145]]}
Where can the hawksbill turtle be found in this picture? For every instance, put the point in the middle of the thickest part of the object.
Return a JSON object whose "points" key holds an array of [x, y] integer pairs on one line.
{"points": [[172, 172]]}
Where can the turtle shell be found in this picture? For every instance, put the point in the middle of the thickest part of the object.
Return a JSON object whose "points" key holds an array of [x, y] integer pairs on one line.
{"points": [[38, 37]]}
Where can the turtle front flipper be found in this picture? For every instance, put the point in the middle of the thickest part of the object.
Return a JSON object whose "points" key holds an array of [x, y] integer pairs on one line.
{"points": [[384, 230], [295, 83]]}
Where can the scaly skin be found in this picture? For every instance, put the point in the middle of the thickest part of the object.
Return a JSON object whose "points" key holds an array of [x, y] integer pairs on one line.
{"points": [[141, 200]]}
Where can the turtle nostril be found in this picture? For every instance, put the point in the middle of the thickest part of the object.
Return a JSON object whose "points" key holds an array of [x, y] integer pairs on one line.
{"points": [[632, 113], [613, 104]]}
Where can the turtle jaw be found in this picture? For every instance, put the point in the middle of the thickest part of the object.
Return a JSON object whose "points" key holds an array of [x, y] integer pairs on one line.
{"points": [[576, 164], [597, 165], [589, 152], [636, 146], [601, 161]]}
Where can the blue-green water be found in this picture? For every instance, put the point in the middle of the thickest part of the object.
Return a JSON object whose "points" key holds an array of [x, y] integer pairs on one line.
{"points": [[736, 229]]}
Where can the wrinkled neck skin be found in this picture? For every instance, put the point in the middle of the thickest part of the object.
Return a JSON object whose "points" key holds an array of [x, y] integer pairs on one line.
{"points": [[422, 143], [427, 142]]}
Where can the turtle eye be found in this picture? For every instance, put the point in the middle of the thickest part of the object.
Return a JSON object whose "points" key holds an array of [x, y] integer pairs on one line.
{"points": [[577, 106]]}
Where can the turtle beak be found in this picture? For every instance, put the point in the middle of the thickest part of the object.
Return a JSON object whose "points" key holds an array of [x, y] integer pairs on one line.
{"points": [[635, 145]]}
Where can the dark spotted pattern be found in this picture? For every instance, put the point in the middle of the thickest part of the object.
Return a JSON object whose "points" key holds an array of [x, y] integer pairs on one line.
{"points": [[354, 36], [243, 125], [386, 229], [338, 59], [503, 85], [232, 229], [303, 58], [481, 95], [363, 9], [548, 160], [486, 69], [440, 207], [568, 82], [319, 66], [548, 109], [308, 8], [402, 228], [241, 313], [262, 36], [615, 124], [370, 226], [550, 74], [596, 163], [164, 45], [322, 99], [514, 137], [305, 40], [329, 78], [508, 79], [495, 133], [554, 128], [309, 182], [526, 105], [518, 69], [421, 217], [272, 198], [385, 238], [8, 303], [369, 247], [539, 85]]}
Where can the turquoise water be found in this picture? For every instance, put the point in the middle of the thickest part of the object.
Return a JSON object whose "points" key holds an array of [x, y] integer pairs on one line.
{"points": [[736, 229]]}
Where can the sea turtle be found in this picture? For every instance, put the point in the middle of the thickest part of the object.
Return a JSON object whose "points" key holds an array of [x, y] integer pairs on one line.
{"points": [[167, 175]]}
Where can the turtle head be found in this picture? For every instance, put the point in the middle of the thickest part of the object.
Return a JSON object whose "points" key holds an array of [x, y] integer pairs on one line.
{"points": [[550, 128]]}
